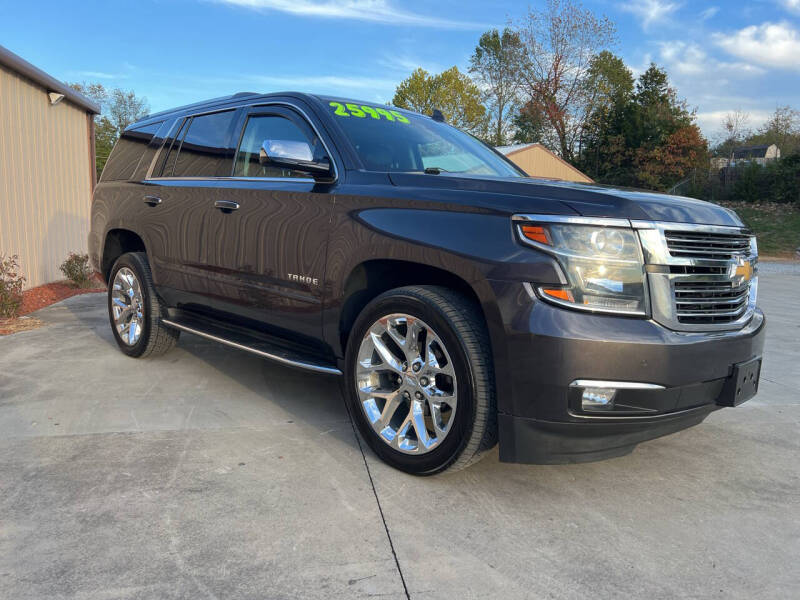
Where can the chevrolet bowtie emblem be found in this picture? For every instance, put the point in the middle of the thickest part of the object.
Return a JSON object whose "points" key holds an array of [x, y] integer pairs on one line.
{"points": [[744, 270]]}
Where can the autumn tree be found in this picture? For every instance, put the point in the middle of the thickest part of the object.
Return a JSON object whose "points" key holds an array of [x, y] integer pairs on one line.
{"points": [[561, 40], [451, 91], [648, 138], [496, 65], [530, 126]]}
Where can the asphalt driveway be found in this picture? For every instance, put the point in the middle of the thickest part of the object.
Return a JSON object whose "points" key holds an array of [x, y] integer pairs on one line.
{"points": [[209, 473]]}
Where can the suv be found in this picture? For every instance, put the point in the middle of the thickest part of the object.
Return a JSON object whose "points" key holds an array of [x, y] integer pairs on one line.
{"points": [[462, 302]]}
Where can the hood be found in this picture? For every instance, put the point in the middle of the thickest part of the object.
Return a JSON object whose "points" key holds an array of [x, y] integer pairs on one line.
{"points": [[527, 194]]}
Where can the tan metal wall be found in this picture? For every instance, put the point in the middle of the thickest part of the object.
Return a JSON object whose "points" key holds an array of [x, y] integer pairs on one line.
{"points": [[538, 161], [45, 178]]}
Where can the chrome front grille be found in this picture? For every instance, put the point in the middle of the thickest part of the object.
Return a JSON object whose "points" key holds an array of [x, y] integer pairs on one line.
{"points": [[710, 302], [698, 244], [701, 277]]}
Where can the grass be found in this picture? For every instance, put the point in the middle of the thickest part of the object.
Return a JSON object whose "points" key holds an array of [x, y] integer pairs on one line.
{"points": [[777, 226]]}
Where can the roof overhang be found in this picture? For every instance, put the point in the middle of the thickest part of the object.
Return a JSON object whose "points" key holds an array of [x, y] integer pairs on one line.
{"points": [[51, 84]]}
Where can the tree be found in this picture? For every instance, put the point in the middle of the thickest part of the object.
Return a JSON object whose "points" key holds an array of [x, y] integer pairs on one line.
{"points": [[496, 65], [119, 109], [450, 91], [609, 88], [781, 129], [734, 132], [530, 125], [561, 41], [124, 108], [648, 137]]}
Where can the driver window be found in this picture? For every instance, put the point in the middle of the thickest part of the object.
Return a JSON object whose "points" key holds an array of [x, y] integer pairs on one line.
{"points": [[256, 130]]}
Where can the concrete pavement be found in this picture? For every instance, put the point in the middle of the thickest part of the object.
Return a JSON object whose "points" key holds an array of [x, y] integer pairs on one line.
{"points": [[209, 473]]}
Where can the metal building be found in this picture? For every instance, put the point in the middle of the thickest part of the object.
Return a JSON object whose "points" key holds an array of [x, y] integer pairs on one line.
{"points": [[47, 170], [538, 161]]}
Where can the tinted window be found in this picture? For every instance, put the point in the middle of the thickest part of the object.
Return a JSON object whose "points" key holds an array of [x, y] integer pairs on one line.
{"points": [[128, 151], [389, 139], [170, 152], [204, 151], [258, 129]]}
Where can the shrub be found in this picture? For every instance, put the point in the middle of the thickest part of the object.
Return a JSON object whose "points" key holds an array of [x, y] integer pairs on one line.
{"points": [[76, 268], [11, 283]]}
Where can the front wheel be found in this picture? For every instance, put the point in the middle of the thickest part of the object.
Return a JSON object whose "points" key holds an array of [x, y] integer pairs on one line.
{"points": [[134, 309], [419, 380]]}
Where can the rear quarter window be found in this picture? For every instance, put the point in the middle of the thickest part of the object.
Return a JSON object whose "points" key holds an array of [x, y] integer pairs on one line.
{"points": [[128, 152], [205, 150]]}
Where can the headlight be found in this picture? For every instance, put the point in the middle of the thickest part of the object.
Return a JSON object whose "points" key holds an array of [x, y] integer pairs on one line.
{"points": [[603, 266]]}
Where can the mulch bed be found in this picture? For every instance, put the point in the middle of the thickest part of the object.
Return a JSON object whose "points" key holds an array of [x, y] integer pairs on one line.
{"points": [[39, 297]]}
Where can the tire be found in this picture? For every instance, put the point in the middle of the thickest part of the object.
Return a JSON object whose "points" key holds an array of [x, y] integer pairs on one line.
{"points": [[131, 284], [401, 401]]}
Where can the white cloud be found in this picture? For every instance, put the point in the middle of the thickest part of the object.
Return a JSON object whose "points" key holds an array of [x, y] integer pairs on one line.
{"points": [[407, 64], [690, 59], [711, 121], [100, 75], [791, 5], [710, 12], [305, 82], [650, 12], [376, 11], [769, 44]]}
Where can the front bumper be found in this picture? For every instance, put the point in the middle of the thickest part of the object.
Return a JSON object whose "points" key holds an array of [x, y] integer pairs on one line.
{"points": [[547, 348]]}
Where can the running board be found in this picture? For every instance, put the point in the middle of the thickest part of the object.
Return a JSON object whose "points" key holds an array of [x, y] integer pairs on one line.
{"points": [[254, 345]]}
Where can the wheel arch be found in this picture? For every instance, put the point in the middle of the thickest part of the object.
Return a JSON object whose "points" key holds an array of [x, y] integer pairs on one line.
{"points": [[118, 242]]}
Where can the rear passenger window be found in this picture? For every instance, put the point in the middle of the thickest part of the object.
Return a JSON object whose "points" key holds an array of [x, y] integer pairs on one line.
{"points": [[128, 151], [205, 151], [258, 129]]}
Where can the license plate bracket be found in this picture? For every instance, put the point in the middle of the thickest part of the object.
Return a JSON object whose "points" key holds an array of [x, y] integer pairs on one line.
{"points": [[742, 384]]}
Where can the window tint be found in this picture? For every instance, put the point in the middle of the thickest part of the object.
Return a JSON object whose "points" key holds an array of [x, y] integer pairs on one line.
{"points": [[128, 151], [267, 127], [204, 151], [170, 152], [398, 140]]}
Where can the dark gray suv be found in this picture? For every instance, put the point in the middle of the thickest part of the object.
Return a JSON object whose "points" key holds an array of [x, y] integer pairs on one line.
{"points": [[461, 302]]}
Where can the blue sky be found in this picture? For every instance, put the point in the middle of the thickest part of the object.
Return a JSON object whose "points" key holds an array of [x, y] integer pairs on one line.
{"points": [[720, 55]]}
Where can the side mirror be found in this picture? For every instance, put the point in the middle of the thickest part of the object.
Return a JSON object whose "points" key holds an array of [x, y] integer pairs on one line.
{"points": [[294, 155]]}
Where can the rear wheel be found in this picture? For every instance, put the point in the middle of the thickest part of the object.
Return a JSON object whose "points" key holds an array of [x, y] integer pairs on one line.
{"points": [[135, 310], [419, 380]]}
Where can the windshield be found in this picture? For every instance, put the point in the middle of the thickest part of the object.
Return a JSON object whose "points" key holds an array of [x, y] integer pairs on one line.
{"points": [[388, 139]]}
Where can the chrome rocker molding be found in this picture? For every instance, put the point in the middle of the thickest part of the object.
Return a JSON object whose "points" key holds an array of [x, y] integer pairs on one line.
{"points": [[274, 357]]}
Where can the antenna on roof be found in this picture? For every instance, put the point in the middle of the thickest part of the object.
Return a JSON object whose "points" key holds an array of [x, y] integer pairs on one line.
{"points": [[437, 115]]}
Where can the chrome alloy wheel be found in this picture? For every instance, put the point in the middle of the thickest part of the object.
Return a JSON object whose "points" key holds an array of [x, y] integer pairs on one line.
{"points": [[406, 383], [127, 306]]}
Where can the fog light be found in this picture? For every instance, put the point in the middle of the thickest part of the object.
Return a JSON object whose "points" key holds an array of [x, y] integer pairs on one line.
{"points": [[598, 399]]}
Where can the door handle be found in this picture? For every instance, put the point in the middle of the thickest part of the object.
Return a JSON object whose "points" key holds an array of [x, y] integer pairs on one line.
{"points": [[152, 200], [226, 206]]}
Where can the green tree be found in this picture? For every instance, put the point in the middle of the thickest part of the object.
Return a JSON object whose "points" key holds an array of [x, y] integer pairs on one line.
{"points": [[609, 88], [781, 129], [124, 108], [452, 92], [647, 138], [119, 108], [496, 65]]}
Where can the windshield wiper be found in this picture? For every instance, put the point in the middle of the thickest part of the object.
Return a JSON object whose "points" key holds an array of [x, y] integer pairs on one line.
{"points": [[435, 170]]}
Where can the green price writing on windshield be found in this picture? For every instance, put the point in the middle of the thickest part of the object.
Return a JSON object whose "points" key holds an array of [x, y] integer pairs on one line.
{"points": [[362, 112]]}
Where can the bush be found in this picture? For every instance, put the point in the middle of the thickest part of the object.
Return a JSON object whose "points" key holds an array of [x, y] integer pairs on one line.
{"points": [[76, 269], [11, 283]]}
